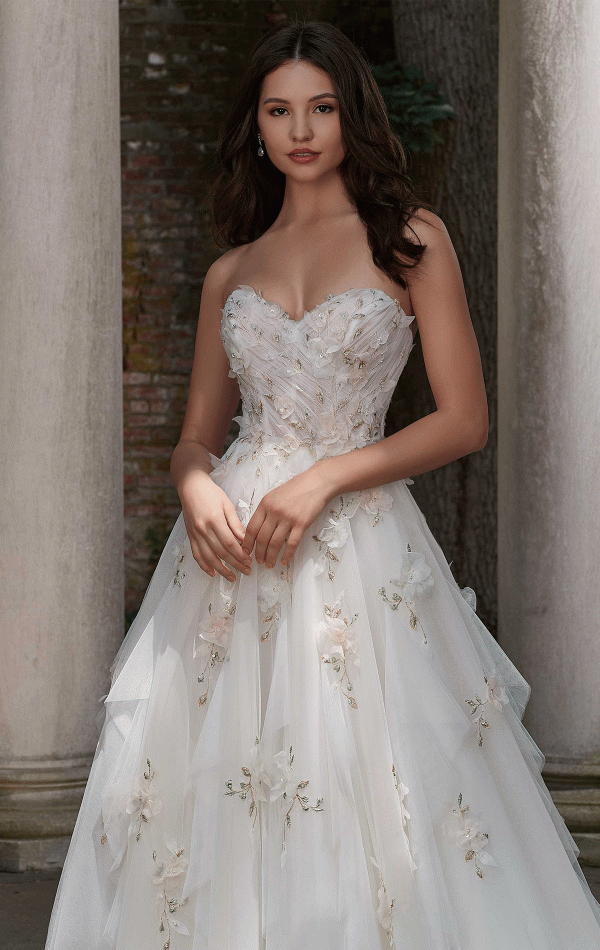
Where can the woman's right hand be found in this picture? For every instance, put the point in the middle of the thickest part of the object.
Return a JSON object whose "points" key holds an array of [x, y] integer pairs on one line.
{"points": [[213, 526]]}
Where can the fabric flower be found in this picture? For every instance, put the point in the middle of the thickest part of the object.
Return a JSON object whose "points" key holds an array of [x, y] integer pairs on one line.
{"points": [[284, 782], [217, 629], [177, 552], [244, 511], [415, 577], [375, 500], [273, 588], [260, 774], [284, 406], [239, 362], [496, 694], [320, 353], [334, 630], [172, 866], [332, 428], [335, 533], [467, 833], [144, 803], [384, 909]]}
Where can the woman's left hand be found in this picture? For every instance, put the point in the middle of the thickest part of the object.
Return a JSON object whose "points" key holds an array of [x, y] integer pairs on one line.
{"points": [[284, 513]]}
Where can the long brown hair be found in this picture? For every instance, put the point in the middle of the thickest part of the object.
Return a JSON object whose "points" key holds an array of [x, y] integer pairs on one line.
{"points": [[249, 190]]}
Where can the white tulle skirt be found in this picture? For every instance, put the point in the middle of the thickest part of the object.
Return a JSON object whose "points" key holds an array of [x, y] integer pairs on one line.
{"points": [[326, 757]]}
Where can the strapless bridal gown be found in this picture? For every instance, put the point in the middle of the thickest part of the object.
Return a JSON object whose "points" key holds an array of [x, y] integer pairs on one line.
{"points": [[329, 756]]}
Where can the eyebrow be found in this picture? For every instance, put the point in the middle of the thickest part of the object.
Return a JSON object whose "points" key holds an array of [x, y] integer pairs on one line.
{"points": [[323, 95]]}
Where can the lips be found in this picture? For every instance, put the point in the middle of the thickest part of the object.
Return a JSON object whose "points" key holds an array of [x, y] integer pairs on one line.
{"points": [[303, 156]]}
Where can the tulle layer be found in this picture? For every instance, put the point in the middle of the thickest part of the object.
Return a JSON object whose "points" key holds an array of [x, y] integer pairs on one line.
{"points": [[329, 757]]}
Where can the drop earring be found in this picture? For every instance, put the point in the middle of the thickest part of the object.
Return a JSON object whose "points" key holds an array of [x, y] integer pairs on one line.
{"points": [[261, 150]]}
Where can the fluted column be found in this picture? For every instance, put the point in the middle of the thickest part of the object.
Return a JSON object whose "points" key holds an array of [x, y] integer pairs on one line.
{"points": [[549, 387], [61, 469]]}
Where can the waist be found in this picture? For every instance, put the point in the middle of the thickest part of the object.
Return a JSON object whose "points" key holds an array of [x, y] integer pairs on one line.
{"points": [[321, 444]]}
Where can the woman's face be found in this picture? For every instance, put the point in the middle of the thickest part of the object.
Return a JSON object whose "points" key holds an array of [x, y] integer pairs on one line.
{"points": [[298, 112]]}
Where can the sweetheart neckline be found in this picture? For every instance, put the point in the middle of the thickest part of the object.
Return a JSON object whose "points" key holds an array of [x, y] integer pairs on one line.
{"points": [[328, 299]]}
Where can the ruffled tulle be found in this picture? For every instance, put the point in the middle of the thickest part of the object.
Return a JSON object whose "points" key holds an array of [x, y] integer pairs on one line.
{"points": [[330, 756]]}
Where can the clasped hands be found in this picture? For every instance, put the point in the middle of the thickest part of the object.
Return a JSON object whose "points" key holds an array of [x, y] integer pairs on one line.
{"points": [[217, 536]]}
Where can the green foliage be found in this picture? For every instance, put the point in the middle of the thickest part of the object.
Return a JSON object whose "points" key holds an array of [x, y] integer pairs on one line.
{"points": [[414, 106]]}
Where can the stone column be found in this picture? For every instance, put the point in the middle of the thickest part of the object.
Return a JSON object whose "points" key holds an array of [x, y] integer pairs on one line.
{"points": [[61, 470], [549, 388]]}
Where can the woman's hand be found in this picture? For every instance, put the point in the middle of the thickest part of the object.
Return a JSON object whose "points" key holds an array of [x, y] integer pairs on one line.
{"points": [[284, 513], [213, 527]]}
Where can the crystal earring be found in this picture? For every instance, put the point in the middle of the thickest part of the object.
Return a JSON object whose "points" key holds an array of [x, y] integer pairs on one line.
{"points": [[261, 150]]}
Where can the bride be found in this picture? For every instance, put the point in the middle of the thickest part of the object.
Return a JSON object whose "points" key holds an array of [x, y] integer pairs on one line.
{"points": [[311, 740], [313, 172]]}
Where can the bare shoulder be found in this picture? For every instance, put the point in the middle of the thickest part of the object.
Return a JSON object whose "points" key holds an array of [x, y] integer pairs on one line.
{"points": [[427, 227], [221, 273]]}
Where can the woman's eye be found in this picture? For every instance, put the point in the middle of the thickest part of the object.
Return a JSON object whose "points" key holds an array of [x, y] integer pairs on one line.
{"points": [[324, 105], [277, 110]]}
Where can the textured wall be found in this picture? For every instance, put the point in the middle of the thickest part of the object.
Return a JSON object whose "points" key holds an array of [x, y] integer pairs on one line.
{"points": [[454, 42], [549, 365]]}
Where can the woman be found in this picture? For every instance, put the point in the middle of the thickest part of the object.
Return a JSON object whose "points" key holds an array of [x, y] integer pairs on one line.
{"points": [[311, 740]]}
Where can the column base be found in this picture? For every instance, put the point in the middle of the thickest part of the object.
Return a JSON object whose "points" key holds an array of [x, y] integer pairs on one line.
{"points": [[575, 788], [39, 804]]}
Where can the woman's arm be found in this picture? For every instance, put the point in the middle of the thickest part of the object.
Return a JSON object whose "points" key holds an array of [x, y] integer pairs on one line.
{"points": [[457, 427], [459, 424], [212, 523]]}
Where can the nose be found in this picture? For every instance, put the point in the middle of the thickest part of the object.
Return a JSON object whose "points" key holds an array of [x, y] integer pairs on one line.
{"points": [[300, 130]]}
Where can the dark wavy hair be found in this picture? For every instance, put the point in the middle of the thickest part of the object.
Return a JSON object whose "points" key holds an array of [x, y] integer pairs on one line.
{"points": [[248, 192]]}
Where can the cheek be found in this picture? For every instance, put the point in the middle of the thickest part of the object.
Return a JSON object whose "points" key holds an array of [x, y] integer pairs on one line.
{"points": [[335, 140]]}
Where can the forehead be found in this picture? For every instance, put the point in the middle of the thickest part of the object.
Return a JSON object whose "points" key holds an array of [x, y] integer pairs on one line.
{"points": [[296, 80]]}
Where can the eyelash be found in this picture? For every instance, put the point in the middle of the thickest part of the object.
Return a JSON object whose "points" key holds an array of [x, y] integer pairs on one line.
{"points": [[322, 105]]}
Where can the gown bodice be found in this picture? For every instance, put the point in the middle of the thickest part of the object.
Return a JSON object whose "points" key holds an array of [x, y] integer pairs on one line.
{"points": [[324, 381]]}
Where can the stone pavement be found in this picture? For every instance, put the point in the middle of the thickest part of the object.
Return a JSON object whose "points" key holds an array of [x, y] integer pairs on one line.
{"points": [[26, 902]]}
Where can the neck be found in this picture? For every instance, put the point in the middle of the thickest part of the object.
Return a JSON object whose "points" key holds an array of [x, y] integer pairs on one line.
{"points": [[305, 203]]}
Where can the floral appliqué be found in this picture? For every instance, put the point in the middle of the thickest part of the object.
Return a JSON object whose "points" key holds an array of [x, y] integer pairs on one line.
{"points": [[339, 649], [213, 641], [244, 509], [415, 581], [330, 539], [178, 556], [467, 833], [144, 802], [256, 774], [274, 590], [496, 696], [385, 908], [334, 535], [268, 782], [289, 789], [166, 873]]}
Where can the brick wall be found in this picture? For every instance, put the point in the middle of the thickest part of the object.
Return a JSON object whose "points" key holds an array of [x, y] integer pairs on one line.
{"points": [[179, 64]]}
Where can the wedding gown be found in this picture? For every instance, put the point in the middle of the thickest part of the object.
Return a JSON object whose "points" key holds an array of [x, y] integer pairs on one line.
{"points": [[328, 756]]}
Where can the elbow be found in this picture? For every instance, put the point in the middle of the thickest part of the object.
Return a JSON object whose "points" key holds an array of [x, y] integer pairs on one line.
{"points": [[479, 436]]}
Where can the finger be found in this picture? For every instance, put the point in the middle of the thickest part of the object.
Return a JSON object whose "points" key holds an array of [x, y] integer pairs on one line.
{"points": [[214, 564], [224, 552], [236, 556], [292, 543], [275, 544], [252, 529], [263, 539], [200, 559], [233, 521]]}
